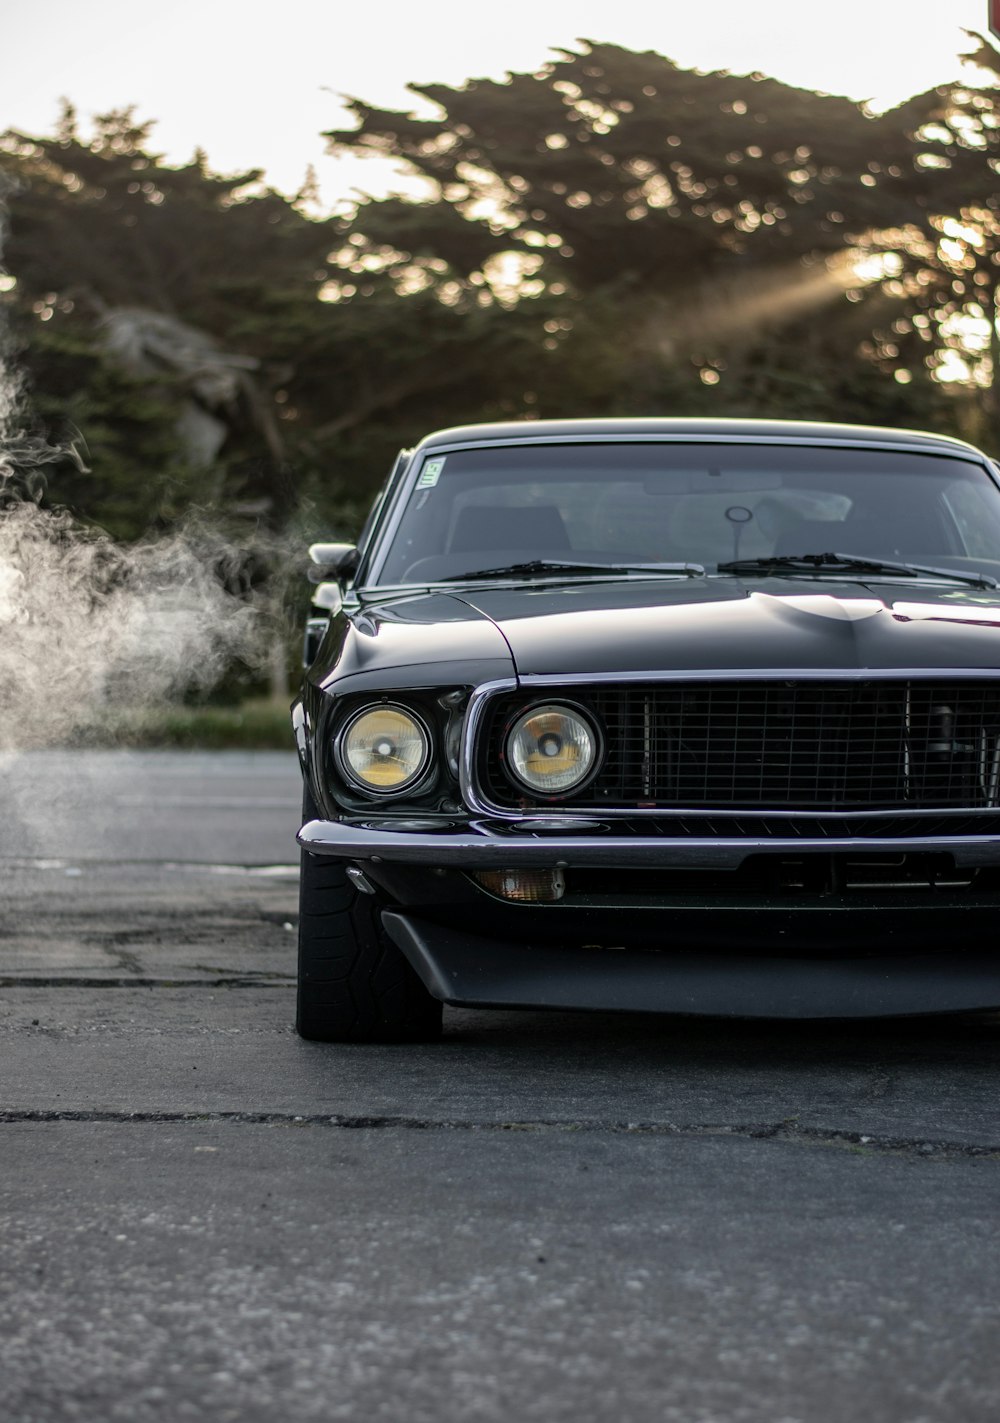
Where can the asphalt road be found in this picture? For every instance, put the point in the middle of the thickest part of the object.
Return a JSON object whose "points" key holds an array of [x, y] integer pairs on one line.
{"points": [[545, 1217]]}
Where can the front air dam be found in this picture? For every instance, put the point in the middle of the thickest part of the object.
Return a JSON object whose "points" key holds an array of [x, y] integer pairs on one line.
{"points": [[469, 971]]}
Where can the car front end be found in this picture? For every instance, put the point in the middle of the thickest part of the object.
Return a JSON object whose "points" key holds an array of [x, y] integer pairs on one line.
{"points": [[767, 790]]}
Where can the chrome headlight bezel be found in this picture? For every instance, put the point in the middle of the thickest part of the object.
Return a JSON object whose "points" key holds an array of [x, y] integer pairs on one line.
{"points": [[573, 711], [412, 782]]}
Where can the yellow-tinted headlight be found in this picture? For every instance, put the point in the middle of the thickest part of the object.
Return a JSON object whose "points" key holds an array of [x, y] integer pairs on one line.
{"points": [[551, 749], [384, 749]]}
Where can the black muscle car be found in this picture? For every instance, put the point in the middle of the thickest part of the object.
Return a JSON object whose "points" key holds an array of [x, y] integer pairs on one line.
{"points": [[681, 716]]}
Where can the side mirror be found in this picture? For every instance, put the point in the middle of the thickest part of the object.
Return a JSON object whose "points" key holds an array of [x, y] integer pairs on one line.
{"points": [[332, 561]]}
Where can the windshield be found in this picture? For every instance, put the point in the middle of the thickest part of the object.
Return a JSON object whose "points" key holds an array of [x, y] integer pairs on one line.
{"points": [[479, 510]]}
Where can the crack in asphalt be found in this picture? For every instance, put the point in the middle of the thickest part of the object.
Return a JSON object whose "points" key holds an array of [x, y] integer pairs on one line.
{"points": [[83, 866], [784, 1131], [161, 923], [268, 980], [123, 958]]}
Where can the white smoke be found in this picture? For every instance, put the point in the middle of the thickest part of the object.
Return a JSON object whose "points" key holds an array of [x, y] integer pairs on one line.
{"points": [[89, 627]]}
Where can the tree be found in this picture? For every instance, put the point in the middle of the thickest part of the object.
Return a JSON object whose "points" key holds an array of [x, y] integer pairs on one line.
{"points": [[941, 268], [103, 234], [610, 235], [667, 227]]}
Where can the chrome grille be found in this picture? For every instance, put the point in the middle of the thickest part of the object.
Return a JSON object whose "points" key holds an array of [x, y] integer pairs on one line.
{"points": [[809, 745]]}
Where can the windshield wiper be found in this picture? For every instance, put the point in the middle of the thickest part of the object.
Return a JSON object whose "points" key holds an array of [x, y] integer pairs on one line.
{"points": [[551, 565], [817, 562]]}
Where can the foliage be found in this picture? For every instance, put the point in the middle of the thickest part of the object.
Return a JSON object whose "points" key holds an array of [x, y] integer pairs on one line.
{"points": [[255, 725], [103, 227], [611, 235], [674, 230]]}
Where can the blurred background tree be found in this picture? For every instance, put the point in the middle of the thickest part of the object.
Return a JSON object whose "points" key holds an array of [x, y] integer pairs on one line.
{"points": [[610, 235]]}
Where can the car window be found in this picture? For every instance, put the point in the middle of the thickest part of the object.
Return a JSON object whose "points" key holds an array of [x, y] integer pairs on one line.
{"points": [[379, 510], [977, 516], [669, 502]]}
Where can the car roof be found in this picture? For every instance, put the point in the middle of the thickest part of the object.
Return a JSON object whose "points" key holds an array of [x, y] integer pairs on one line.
{"points": [[808, 431]]}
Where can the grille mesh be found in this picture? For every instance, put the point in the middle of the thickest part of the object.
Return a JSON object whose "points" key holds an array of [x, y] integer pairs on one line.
{"points": [[780, 745]]}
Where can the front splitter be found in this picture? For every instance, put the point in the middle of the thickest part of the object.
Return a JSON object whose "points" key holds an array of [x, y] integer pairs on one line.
{"points": [[468, 970]]}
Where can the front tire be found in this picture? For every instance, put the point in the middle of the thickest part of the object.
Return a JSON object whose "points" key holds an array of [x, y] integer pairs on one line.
{"points": [[354, 985]]}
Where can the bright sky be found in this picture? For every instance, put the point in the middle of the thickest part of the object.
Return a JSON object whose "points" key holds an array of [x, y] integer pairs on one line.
{"points": [[254, 82]]}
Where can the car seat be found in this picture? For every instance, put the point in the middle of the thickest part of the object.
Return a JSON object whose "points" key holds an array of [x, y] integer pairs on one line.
{"points": [[528, 526]]}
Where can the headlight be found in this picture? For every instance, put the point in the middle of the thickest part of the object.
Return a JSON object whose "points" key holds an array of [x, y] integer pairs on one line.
{"points": [[384, 749], [552, 749]]}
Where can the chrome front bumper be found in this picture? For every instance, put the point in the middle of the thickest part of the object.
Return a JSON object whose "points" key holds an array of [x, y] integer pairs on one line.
{"points": [[484, 844]]}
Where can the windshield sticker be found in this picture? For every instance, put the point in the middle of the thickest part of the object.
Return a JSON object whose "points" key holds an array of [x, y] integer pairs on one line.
{"points": [[430, 474]]}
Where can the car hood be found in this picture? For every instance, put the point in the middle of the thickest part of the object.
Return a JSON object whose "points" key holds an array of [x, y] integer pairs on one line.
{"points": [[630, 626], [417, 637]]}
